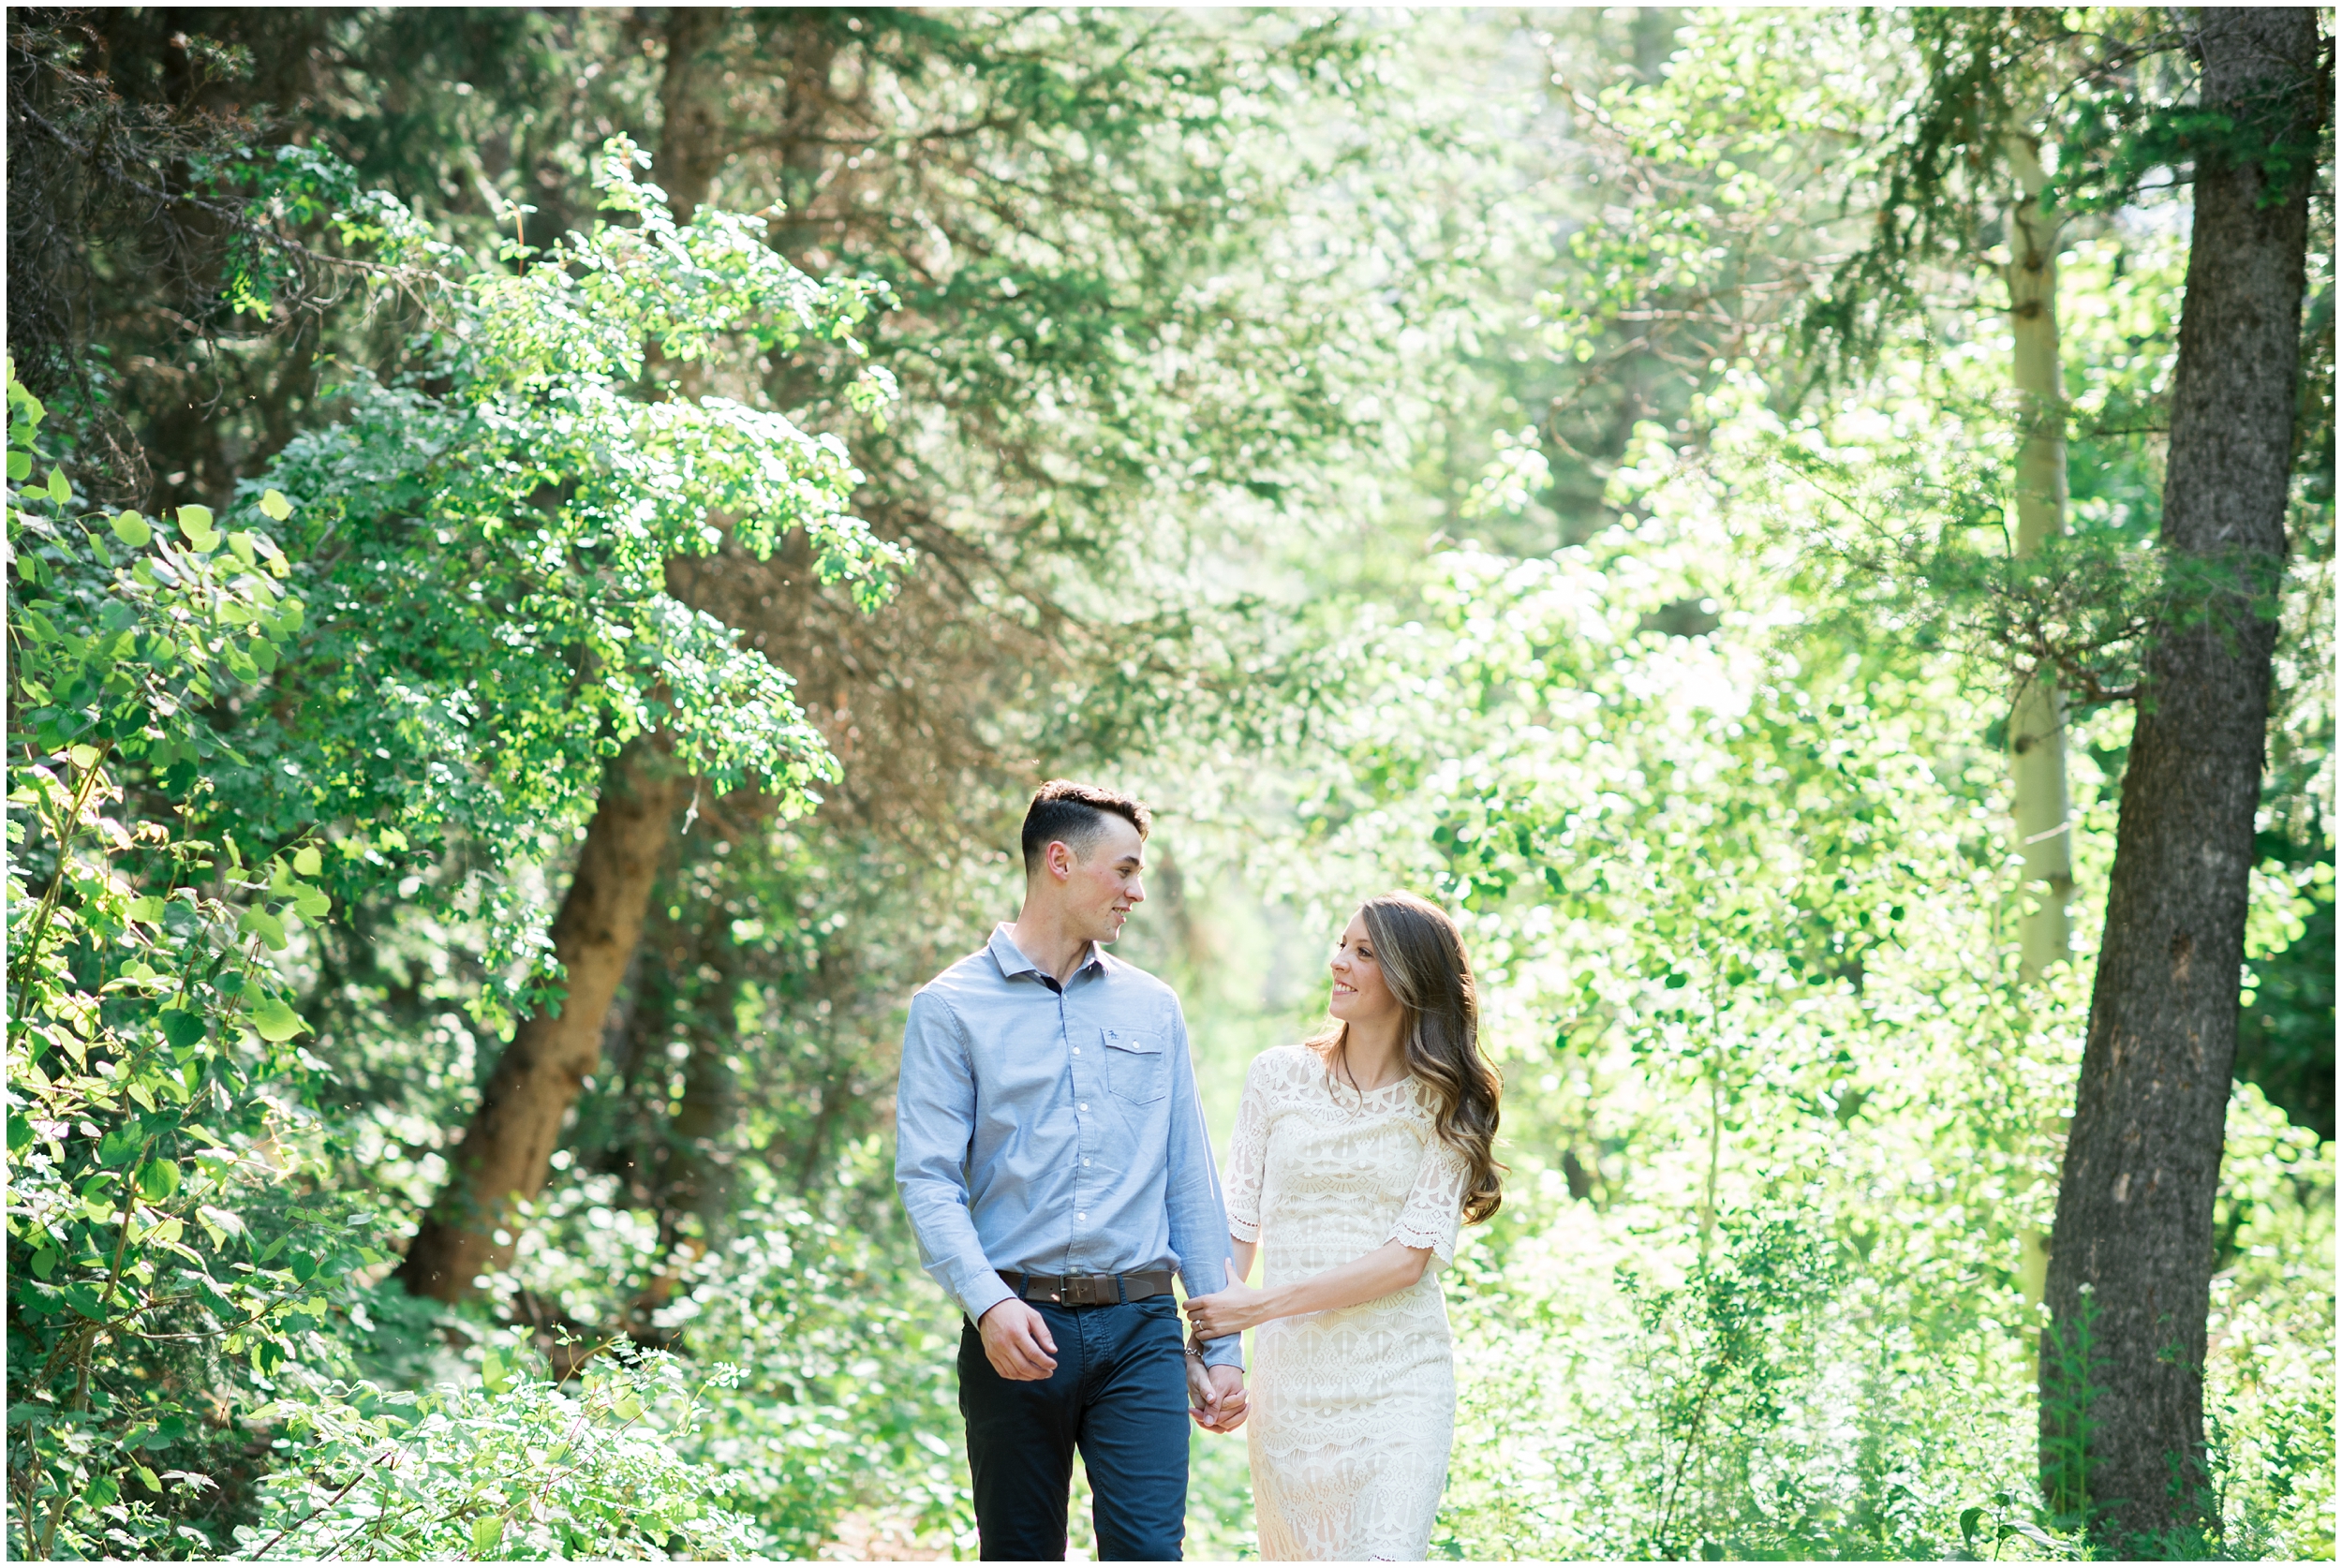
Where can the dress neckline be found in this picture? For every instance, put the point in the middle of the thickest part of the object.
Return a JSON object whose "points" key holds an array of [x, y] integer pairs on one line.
{"points": [[1360, 1096]]}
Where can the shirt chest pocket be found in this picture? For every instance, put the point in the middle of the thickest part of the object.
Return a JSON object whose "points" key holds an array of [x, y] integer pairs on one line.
{"points": [[1134, 1065]]}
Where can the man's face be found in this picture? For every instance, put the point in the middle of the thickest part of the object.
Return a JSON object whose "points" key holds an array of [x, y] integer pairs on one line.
{"points": [[1098, 887]]}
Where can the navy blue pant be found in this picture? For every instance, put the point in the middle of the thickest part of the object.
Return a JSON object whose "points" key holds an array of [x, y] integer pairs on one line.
{"points": [[1119, 1395]]}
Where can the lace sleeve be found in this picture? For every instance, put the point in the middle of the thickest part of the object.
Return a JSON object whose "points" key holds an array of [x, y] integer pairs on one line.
{"points": [[1248, 1155], [1434, 1210]]}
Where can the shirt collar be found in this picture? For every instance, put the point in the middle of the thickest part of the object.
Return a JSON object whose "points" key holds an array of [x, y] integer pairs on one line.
{"points": [[1012, 962]]}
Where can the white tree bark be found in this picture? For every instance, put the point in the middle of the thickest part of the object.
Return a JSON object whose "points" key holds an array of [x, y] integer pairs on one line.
{"points": [[2037, 727]]}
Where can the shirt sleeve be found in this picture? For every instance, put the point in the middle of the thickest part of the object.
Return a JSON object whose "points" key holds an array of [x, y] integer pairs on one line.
{"points": [[1435, 1208], [1248, 1156], [935, 1121], [1199, 1219]]}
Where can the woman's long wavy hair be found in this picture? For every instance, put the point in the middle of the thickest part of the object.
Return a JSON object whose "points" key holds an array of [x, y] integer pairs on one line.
{"points": [[1421, 956]]}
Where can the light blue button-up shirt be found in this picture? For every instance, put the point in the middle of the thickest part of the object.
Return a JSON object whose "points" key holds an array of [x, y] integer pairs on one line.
{"points": [[1055, 1131]]}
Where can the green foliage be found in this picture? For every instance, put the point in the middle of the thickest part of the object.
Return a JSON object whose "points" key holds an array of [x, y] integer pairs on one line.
{"points": [[164, 1115], [160, 1110], [488, 561], [1744, 922], [1196, 322], [515, 1469], [1721, 1353]]}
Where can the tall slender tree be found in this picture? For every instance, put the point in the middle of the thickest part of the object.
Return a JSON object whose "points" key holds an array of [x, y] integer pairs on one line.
{"points": [[2131, 1254], [2037, 723]]}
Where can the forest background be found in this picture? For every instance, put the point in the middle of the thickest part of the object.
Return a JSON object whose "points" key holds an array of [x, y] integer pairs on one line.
{"points": [[548, 549]]}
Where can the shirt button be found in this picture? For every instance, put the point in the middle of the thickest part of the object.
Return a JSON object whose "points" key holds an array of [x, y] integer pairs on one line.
{"points": [[1085, 1164], [1077, 1050], [1081, 1216], [1084, 1106]]}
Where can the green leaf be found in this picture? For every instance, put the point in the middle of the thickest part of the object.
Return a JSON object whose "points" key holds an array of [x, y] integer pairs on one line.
{"points": [[59, 491], [494, 1375], [20, 1132], [242, 544], [485, 1532], [158, 1179], [266, 926], [20, 466], [312, 903], [131, 530], [308, 862], [276, 1022], [102, 1492], [274, 506], [184, 1029], [196, 523]]}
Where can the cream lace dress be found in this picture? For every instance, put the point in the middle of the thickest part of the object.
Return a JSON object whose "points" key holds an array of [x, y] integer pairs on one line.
{"points": [[1352, 1410]]}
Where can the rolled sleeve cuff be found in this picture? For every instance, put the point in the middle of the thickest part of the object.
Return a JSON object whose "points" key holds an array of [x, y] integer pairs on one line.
{"points": [[1225, 1352]]}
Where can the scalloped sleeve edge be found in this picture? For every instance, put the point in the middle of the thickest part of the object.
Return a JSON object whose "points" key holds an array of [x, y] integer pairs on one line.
{"points": [[1441, 1245]]}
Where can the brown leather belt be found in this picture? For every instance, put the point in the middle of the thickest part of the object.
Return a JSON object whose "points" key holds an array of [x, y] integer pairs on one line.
{"points": [[1087, 1289]]}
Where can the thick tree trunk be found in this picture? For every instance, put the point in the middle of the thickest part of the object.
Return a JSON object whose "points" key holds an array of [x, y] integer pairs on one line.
{"points": [[2036, 720], [691, 139], [2131, 1258], [505, 1151]]}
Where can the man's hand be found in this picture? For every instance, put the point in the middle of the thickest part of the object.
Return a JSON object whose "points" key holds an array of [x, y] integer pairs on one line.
{"points": [[1017, 1342], [1215, 1396]]}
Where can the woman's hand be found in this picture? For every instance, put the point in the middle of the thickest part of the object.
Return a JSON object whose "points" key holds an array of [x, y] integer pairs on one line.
{"points": [[1229, 1311], [1392, 1266]]}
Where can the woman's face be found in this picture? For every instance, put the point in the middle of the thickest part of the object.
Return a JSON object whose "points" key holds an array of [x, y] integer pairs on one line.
{"points": [[1360, 995]]}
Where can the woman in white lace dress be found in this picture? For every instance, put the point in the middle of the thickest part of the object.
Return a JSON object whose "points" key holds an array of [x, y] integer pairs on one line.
{"points": [[1355, 1158]]}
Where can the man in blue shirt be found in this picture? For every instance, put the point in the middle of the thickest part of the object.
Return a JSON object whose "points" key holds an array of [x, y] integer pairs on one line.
{"points": [[1051, 1148]]}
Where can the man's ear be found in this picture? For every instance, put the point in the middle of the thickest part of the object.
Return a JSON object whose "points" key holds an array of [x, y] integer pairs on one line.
{"points": [[1058, 858]]}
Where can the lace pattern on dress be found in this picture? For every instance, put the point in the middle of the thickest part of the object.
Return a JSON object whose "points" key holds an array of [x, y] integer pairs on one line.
{"points": [[1352, 1409]]}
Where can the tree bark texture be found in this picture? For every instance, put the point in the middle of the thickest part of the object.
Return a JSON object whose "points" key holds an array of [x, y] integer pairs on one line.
{"points": [[2036, 719], [692, 139], [2131, 1256], [506, 1150]]}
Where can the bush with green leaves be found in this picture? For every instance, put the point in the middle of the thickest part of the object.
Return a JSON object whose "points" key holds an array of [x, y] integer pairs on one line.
{"points": [[485, 543], [163, 1132], [512, 1467]]}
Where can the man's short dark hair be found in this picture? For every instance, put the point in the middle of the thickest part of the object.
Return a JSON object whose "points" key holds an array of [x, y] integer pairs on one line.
{"points": [[1071, 814]]}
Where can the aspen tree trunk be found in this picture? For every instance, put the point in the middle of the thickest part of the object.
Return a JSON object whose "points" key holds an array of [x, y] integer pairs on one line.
{"points": [[2037, 722], [2037, 727], [2130, 1258], [507, 1149]]}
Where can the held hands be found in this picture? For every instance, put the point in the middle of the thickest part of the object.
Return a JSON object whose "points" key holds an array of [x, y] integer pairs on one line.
{"points": [[1215, 1396], [1017, 1342]]}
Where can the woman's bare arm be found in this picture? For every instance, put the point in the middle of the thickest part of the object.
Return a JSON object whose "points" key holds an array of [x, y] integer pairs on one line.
{"points": [[1392, 1266]]}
